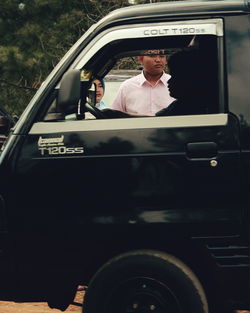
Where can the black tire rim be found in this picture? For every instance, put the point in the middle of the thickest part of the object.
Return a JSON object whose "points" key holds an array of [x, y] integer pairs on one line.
{"points": [[142, 295]]}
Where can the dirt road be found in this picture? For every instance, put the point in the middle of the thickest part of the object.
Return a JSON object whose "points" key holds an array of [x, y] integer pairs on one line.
{"points": [[37, 307]]}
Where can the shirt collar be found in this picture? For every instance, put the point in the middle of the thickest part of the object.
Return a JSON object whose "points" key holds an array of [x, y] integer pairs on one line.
{"points": [[163, 79]]}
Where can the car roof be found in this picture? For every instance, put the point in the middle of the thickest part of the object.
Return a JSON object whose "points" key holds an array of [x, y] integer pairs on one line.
{"points": [[135, 13]]}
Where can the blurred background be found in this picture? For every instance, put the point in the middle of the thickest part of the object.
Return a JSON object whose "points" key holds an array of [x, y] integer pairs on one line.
{"points": [[34, 36]]}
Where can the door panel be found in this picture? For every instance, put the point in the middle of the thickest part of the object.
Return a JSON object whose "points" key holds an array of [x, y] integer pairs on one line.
{"points": [[87, 190], [124, 167]]}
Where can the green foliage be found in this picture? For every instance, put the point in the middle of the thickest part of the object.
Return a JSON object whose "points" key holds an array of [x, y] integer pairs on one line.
{"points": [[35, 34]]}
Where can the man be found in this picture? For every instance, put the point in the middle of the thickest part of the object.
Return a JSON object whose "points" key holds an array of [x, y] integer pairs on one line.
{"points": [[146, 93], [192, 83]]}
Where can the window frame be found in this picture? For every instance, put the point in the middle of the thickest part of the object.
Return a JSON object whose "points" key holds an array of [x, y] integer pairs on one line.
{"points": [[206, 26], [211, 26]]}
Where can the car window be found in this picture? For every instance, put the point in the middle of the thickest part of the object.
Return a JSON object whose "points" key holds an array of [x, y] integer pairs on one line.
{"points": [[114, 59]]}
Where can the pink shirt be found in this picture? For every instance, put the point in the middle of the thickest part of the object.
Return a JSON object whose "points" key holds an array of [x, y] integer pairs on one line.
{"points": [[137, 95]]}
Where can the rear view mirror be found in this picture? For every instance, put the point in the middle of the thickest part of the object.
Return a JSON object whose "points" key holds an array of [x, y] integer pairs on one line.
{"points": [[91, 98]]}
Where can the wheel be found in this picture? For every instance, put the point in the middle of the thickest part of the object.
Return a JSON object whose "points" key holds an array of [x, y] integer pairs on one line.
{"points": [[145, 281]]}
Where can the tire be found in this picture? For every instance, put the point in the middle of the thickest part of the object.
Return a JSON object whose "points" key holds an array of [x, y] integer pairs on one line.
{"points": [[145, 281]]}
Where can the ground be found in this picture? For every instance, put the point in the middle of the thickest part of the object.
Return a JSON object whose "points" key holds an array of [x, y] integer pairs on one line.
{"points": [[35, 307]]}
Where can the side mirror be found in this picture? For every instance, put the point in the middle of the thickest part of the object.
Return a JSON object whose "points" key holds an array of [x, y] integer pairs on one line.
{"points": [[75, 93], [69, 92]]}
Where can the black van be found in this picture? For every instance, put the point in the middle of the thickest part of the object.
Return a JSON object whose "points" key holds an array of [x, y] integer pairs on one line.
{"points": [[152, 213]]}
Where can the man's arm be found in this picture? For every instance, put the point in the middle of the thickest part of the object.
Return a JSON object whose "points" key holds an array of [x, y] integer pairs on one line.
{"points": [[120, 100]]}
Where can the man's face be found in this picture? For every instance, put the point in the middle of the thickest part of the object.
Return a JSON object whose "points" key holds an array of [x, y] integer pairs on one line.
{"points": [[183, 85], [154, 62]]}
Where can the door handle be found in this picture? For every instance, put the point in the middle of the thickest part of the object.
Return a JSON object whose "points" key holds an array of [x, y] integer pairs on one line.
{"points": [[201, 150]]}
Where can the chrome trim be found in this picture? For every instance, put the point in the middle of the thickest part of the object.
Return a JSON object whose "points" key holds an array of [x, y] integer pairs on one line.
{"points": [[201, 27], [130, 124]]}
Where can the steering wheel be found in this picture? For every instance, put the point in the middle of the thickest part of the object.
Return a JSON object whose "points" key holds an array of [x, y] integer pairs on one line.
{"points": [[95, 111]]}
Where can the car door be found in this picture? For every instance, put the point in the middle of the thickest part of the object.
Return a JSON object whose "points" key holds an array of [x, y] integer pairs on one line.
{"points": [[148, 163], [175, 164], [109, 178]]}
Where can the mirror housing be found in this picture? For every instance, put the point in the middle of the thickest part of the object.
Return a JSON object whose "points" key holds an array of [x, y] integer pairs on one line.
{"points": [[70, 92], [75, 91]]}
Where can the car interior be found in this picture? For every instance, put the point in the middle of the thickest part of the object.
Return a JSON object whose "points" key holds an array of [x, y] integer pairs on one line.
{"points": [[120, 56]]}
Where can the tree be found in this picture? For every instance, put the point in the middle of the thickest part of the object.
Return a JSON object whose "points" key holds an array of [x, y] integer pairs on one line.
{"points": [[35, 34]]}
